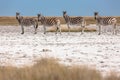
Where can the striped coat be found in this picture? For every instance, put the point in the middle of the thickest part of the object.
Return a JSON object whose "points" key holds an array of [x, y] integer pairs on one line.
{"points": [[105, 21], [26, 22], [74, 20], [47, 22]]}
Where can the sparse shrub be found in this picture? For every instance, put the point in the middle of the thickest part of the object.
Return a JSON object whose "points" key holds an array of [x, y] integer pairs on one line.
{"points": [[112, 76], [50, 69]]}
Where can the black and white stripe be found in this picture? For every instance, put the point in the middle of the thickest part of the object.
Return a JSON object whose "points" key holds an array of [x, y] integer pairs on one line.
{"points": [[47, 22], [26, 22], [74, 20], [105, 21]]}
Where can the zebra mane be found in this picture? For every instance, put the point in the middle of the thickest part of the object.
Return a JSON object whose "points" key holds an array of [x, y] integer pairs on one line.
{"points": [[42, 18], [18, 17], [66, 17]]}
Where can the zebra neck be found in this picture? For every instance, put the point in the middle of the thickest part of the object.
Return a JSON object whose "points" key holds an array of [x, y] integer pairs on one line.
{"points": [[97, 18], [42, 19], [19, 19], [67, 18]]}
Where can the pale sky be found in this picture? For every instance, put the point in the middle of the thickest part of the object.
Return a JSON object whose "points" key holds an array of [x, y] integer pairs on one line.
{"points": [[55, 7]]}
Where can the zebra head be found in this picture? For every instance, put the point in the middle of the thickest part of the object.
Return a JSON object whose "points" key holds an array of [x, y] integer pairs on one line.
{"points": [[66, 17], [39, 17], [95, 15], [64, 13], [17, 15]]}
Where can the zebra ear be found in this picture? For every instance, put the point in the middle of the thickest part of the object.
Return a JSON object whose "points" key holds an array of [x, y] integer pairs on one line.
{"points": [[95, 13], [64, 12], [17, 13], [38, 14]]}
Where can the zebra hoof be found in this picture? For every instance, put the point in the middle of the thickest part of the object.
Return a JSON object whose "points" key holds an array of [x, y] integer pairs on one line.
{"points": [[35, 33], [22, 33], [81, 33]]}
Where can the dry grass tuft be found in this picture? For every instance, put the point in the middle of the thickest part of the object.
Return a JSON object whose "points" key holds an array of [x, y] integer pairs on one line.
{"points": [[113, 76], [50, 69], [64, 28]]}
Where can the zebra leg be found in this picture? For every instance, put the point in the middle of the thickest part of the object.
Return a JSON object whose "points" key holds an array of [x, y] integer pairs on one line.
{"points": [[99, 30], [22, 29], [83, 24], [60, 29], [114, 29], [83, 29], [57, 28], [35, 29], [68, 27], [44, 29], [35, 26]]}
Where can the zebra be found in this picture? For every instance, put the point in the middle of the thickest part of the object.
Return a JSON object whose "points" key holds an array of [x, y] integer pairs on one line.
{"points": [[26, 22], [74, 20], [105, 21], [47, 22]]}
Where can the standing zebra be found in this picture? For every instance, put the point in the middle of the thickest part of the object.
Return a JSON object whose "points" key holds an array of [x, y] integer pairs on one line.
{"points": [[46, 22], [74, 20], [105, 21], [26, 22]]}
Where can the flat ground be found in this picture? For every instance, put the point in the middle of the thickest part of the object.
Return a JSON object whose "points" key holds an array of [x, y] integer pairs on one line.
{"points": [[99, 51]]}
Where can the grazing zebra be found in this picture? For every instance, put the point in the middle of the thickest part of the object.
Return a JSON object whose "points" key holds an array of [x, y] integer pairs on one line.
{"points": [[26, 22], [74, 20], [105, 21], [47, 22]]}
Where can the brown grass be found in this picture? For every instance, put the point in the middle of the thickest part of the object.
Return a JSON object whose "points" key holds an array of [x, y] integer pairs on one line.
{"points": [[4, 20], [50, 69], [89, 20], [64, 28], [8, 21]]}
